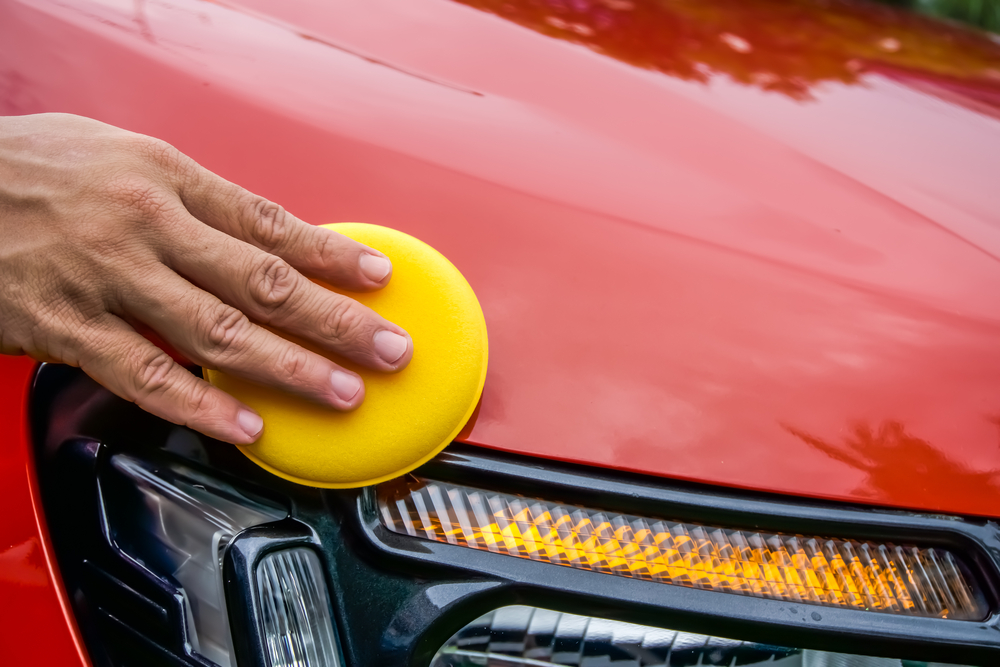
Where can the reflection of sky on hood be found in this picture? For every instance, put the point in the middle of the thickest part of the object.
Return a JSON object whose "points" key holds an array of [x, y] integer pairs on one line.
{"points": [[777, 45]]}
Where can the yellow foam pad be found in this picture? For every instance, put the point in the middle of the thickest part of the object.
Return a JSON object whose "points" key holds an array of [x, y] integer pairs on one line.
{"points": [[406, 417]]}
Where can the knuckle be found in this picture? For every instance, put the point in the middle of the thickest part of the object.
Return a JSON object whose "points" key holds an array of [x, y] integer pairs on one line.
{"points": [[292, 363], [327, 251], [156, 151], [345, 320], [272, 283], [271, 224], [59, 332], [198, 401], [225, 326], [138, 144], [150, 372], [138, 198]]}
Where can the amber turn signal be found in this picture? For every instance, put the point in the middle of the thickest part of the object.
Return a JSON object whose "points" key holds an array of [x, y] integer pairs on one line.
{"points": [[882, 577]]}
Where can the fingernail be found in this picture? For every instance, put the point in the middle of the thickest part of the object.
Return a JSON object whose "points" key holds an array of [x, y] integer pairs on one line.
{"points": [[250, 422], [390, 346], [374, 267], [345, 385]]}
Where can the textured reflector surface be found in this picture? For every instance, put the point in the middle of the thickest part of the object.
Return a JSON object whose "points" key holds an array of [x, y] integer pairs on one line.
{"points": [[515, 636], [815, 570], [178, 523], [295, 610]]}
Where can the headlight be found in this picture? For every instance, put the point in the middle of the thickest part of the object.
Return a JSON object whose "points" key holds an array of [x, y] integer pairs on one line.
{"points": [[179, 524]]}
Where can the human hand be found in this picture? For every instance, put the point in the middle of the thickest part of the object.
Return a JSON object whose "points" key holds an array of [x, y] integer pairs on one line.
{"points": [[105, 231]]}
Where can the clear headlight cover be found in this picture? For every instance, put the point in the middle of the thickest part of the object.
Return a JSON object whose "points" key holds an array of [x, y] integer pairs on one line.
{"points": [[177, 523], [519, 636], [295, 610]]}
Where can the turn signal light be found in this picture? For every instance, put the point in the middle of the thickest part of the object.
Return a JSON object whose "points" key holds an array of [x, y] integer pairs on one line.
{"points": [[869, 576], [294, 610]]}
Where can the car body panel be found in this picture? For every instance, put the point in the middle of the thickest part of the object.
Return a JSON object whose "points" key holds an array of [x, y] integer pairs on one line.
{"points": [[691, 276], [742, 261], [37, 626]]}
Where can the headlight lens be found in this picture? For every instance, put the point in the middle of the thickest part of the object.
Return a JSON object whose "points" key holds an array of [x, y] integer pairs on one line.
{"points": [[177, 523], [814, 570]]}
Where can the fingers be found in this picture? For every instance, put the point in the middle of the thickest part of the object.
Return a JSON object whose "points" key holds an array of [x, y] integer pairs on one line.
{"points": [[138, 371], [270, 291], [218, 336], [315, 251]]}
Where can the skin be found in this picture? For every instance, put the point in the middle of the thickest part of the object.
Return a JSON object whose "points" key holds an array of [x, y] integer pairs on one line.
{"points": [[107, 233]]}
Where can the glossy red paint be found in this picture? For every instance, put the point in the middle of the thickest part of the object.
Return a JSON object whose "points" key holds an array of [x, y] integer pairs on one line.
{"points": [[757, 261], [36, 627]]}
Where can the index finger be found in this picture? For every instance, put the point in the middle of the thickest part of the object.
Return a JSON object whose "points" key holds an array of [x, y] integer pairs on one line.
{"points": [[315, 251]]}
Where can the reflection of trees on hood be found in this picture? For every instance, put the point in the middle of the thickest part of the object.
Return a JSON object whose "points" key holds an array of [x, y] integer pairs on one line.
{"points": [[786, 46], [899, 465], [980, 13]]}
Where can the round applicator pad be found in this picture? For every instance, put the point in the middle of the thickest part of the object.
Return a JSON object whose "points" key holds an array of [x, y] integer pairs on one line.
{"points": [[406, 417]]}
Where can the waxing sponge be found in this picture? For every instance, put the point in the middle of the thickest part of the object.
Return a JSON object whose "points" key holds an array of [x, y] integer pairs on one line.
{"points": [[406, 417]]}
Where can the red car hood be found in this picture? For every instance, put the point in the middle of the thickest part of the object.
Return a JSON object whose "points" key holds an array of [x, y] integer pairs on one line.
{"points": [[747, 244]]}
